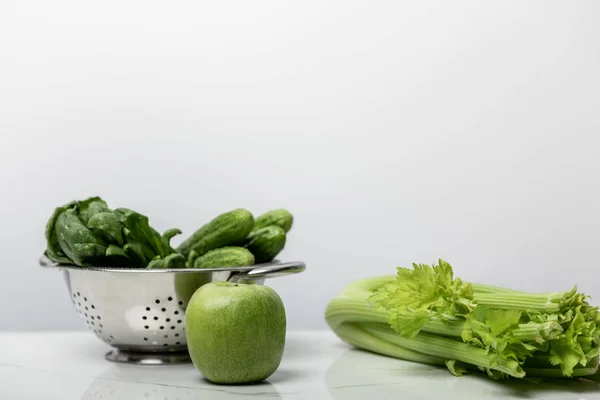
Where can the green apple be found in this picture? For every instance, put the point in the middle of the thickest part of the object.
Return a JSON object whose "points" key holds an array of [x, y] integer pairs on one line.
{"points": [[235, 332]]}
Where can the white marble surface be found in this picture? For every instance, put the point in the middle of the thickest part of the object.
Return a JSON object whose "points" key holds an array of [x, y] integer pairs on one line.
{"points": [[71, 366]]}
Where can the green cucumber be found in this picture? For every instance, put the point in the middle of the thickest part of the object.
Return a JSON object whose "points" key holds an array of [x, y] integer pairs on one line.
{"points": [[281, 218], [266, 243], [229, 229], [225, 257]]}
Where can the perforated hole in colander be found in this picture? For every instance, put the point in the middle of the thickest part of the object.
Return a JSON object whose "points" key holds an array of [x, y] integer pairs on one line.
{"points": [[162, 322], [90, 315]]}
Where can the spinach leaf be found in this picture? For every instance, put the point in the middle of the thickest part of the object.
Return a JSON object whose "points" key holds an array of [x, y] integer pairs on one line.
{"points": [[76, 241], [107, 225], [53, 250], [117, 257], [90, 207], [157, 263], [165, 239], [192, 257], [174, 260], [139, 230], [136, 254], [87, 233]]}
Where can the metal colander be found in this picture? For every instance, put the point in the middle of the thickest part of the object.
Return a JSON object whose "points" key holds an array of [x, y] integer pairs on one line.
{"points": [[141, 312]]}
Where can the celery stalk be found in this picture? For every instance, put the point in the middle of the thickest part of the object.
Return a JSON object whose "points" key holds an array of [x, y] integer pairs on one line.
{"points": [[427, 315], [446, 348], [355, 335], [533, 332], [358, 310], [341, 310], [481, 288], [517, 301], [541, 367]]}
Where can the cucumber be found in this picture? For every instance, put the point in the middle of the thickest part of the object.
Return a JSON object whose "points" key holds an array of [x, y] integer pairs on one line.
{"points": [[281, 218], [266, 243], [229, 229], [225, 257]]}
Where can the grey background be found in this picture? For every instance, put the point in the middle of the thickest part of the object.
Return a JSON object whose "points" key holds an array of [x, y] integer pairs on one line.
{"points": [[396, 132]]}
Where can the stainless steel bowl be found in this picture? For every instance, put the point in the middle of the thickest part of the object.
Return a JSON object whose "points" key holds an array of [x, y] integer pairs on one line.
{"points": [[141, 312]]}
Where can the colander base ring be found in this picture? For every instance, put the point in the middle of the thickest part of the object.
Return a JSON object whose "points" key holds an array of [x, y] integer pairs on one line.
{"points": [[127, 357]]}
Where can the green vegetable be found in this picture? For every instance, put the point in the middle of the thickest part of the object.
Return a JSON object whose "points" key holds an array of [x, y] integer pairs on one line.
{"points": [[76, 241], [116, 256], [225, 257], [87, 208], [266, 243], [192, 257], [137, 229], [174, 260], [135, 253], [165, 239], [53, 250], [88, 233], [426, 315], [229, 229], [281, 218], [106, 225]]}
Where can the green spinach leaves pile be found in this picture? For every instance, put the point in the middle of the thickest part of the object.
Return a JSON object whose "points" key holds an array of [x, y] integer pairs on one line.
{"points": [[88, 233]]}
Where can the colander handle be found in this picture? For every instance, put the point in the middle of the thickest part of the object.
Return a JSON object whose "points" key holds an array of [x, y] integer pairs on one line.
{"points": [[272, 271]]}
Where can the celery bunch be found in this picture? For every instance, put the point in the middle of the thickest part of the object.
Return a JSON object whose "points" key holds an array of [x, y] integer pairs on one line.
{"points": [[426, 315]]}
